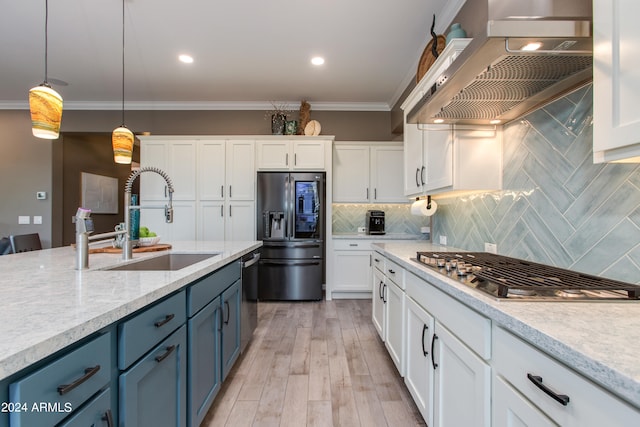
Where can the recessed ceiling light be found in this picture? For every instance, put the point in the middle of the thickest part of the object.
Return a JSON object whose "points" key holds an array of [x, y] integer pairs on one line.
{"points": [[317, 60], [187, 59]]}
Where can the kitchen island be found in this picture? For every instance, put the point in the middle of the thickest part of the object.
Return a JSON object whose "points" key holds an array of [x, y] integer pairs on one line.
{"points": [[599, 340], [48, 305]]}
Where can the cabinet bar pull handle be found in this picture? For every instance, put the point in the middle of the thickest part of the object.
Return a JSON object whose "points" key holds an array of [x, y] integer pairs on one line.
{"points": [[168, 318], [222, 210], [424, 351], [88, 373], [422, 175], [286, 161], [229, 210], [295, 159], [417, 173], [391, 271], [165, 354], [222, 191], [376, 260], [562, 399], [380, 289], [433, 343], [226, 304], [108, 418], [219, 310], [370, 260], [230, 193], [384, 293], [353, 244], [367, 194]]}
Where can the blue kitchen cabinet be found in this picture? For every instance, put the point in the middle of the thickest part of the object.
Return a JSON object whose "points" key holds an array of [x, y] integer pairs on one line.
{"points": [[153, 392], [230, 327], [97, 413], [205, 367], [51, 393], [213, 336]]}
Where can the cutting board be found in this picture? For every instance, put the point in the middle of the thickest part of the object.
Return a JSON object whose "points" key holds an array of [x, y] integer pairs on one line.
{"points": [[112, 250]]}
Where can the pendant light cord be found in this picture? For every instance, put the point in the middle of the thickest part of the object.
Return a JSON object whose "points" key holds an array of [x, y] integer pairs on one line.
{"points": [[46, 38], [123, 63]]}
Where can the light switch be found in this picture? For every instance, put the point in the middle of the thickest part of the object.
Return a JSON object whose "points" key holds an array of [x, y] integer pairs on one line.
{"points": [[37, 219], [41, 195], [24, 219]]}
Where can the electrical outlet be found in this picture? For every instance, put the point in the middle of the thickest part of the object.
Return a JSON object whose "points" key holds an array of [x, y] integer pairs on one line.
{"points": [[37, 219], [443, 240], [362, 229], [491, 248], [24, 219]]}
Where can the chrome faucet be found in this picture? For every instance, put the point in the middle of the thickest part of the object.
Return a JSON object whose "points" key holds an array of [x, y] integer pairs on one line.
{"points": [[84, 223], [127, 245]]}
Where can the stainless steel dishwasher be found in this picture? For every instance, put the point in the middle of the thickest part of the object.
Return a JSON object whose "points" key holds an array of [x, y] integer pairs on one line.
{"points": [[249, 305]]}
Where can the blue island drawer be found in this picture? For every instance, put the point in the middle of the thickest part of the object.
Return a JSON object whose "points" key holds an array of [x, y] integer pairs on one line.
{"points": [[206, 289], [97, 413], [138, 334], [51, 393]]}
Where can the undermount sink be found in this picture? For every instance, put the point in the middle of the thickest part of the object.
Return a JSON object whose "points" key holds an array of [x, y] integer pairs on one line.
{"points": [[167, 262]]}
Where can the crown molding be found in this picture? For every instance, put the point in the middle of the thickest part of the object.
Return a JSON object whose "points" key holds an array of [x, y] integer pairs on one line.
{"points": [[204, 105]]}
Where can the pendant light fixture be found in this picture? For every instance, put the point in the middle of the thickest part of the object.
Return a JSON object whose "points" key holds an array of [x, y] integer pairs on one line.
{"points": [[122, 138], [45, 103]]}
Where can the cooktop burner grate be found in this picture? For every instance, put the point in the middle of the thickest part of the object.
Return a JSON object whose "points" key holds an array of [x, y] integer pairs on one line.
{"points": [[516, 274]]}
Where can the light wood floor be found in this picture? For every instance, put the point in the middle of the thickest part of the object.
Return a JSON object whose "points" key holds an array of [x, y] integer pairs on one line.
{"points": [[314, 364]]}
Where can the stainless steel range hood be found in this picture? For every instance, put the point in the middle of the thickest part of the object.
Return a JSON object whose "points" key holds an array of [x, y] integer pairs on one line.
{"points": [[495, 79]]}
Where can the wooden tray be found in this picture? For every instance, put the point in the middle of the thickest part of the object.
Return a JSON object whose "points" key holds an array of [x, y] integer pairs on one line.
{"points": [[427, 59], [112, 250]]}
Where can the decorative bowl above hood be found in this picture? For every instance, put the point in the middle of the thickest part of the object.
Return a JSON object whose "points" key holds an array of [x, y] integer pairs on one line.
{"points": [[497, 79]]}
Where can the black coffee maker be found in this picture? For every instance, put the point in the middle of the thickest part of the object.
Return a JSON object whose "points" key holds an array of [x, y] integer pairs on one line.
{"points": [[375, 222]]}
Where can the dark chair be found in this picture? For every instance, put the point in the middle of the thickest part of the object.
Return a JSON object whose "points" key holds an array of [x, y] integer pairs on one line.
{"points": [[5, 246], [25, 242]]}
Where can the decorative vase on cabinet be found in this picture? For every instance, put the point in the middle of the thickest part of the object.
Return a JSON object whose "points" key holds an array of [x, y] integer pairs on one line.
{"points": [[278, 122], [456, 32]]}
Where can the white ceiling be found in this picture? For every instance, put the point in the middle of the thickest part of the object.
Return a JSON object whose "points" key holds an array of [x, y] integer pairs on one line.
{"points": [[247, 52]]}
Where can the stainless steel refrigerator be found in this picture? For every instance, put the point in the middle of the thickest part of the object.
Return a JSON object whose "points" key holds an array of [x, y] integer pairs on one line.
{"points": [[291, 224]]}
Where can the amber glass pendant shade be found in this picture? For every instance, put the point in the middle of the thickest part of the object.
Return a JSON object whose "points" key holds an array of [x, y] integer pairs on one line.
{"points": [[122, 141], [46, 112]]}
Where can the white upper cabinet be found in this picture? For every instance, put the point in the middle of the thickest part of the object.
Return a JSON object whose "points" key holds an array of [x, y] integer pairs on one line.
{"points": [[368, 173], [176, 159], [292, 154], [616, 81], [441, 158]]}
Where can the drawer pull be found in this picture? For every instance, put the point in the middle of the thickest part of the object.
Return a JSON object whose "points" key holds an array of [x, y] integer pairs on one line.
{"points": [[433, 343], [563, 399], [353, 244], [424, 329], [376, 260], [164, 321], [165, 354], [384, 293], [88, 373], [380, 289], [392, 271], [108, 417]]}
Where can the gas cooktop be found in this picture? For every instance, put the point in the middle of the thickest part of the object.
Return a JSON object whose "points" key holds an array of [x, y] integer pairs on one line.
{"points": [[513, 279]]}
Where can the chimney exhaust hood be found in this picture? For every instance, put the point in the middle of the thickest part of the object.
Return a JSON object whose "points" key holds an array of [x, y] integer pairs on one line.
{"points": [[496, 79]]}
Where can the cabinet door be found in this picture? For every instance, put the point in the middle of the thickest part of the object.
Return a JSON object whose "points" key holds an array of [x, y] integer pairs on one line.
{"points": [[211, 170], [511, 409], [182, 169], [386, 175], [183, 226], [616, 81], [96, 413], [438, 158], [240, 221], [230, 327], [461, 376], [394, 325], [379, 299], [351, 173], [241, 172], [273, 154], [205, 367], [419, 374], [155, 154], [211, 217], [413, 156], [308, 155], [352, 271], [153, 391]]}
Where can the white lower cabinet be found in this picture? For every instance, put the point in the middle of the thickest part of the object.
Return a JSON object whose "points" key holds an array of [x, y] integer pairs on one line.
{"points": [[378, 301], [351, 269], [394, 325], [543, 389], [418, 369]]}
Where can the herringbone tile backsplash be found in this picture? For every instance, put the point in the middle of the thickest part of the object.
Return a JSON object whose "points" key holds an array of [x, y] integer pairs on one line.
{"points": [[556, 206]]}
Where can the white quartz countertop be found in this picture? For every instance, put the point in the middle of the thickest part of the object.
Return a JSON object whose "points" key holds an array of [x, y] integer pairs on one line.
{"points": [[47, 304], [600, 340]]}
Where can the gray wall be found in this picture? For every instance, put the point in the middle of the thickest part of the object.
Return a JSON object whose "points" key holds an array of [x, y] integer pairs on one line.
{"points": [[29, 164], [557, 207]]}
